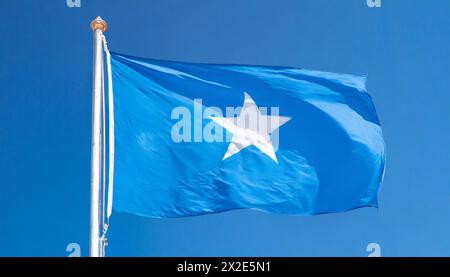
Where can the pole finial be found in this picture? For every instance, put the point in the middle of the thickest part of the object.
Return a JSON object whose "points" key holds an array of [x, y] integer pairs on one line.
{"points": [[98, 24]]}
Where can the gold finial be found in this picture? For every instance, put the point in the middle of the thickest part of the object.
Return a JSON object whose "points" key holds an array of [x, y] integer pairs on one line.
{"points": [[98, 24]]}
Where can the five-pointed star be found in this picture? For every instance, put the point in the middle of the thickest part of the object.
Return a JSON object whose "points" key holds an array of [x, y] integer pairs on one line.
{"points": [[251, 128]]}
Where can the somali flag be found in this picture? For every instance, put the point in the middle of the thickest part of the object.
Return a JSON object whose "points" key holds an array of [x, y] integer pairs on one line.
{"points": [[193, 139]]}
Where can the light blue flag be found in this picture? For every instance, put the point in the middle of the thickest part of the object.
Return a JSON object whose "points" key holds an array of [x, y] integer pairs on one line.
{"points": [[194, 139]]}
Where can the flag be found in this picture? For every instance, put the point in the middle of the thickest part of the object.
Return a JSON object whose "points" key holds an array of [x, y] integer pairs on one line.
{"points": [[193, 139]]}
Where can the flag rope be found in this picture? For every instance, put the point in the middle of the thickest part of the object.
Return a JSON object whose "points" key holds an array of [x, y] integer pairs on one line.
{"points": [[109, 198], [103, 161]]}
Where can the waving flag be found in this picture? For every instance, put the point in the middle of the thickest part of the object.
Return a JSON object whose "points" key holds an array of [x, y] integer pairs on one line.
{"points": [[194, 139]]}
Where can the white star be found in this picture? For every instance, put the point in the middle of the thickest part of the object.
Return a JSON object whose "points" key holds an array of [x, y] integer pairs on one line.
{"points": [[251, 128]]}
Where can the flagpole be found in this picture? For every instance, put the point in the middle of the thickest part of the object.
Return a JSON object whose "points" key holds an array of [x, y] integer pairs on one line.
{"points": [[98, 26]]}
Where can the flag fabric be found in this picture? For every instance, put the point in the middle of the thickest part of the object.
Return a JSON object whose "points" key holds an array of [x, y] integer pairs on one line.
{"points": [[193, 139]]}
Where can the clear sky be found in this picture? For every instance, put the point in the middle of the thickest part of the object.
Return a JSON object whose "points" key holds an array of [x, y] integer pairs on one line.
{"points": [[45, 120]]}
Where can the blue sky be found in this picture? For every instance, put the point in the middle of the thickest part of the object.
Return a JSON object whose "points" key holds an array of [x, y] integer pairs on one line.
{"points": [[45, 110]]}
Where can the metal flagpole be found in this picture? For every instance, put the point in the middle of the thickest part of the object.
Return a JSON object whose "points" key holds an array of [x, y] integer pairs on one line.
{"points": [[98, 26]]}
